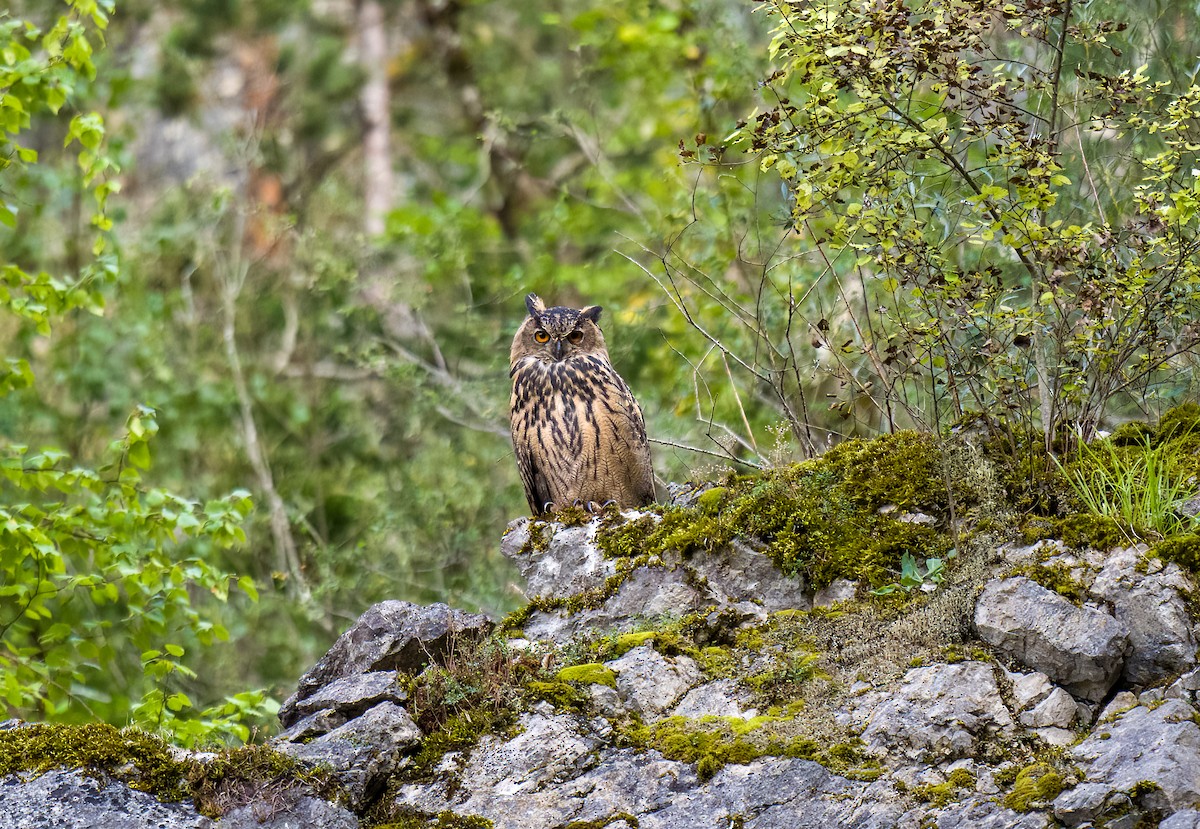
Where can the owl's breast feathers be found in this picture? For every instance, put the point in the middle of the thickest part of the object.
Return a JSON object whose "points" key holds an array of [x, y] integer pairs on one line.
{"points": [[578, 433]]}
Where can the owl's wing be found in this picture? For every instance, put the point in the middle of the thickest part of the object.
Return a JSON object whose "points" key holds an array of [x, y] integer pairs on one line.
{"points": [[533, 479], [632, 446]]}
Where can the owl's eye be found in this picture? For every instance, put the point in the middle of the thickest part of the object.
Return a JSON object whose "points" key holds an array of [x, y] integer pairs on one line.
{"points": [[575, 337], [541, 336]]}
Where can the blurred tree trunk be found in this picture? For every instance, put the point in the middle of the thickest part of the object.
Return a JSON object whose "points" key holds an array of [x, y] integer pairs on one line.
{"points": [[375, 100]]}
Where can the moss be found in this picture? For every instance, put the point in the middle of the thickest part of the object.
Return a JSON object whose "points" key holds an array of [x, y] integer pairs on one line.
{"points": [[539, 537], [709, 502], [820, 518], [461, 731], [1180, 422], [716, 662], [246, 774], [562, 695], [591, 673], [628, 641], [1055, 576], [1133, 433], [1078, 530], [902, 469], [714, 742], [1100, 532], [143, 761], [940, 794], [1034, 785], [1184, 550]]}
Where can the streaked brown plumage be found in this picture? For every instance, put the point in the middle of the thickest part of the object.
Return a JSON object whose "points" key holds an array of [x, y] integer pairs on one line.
{"points": [[578, 433]]}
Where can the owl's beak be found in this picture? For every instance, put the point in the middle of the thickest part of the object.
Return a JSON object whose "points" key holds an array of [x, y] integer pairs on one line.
{"points": [[558, 349]]}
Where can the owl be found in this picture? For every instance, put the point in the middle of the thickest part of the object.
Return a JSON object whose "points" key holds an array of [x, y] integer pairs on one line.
{"points": [[578, 433]]}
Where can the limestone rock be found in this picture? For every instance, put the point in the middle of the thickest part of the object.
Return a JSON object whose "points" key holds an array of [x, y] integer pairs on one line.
{"points": [[1154, 610], [1184, 819], [720, 698], [391, 636], [570, 564], [363, 752], [1057, 710], [840, 590], [739, 572], [1159, 746], [1079, 648], [304, 813], [346, 698], [770, 793], [1030, 689], [736, 576], [68, 799], [649, 683], [984, 813], [649, 591], [937, 712]]}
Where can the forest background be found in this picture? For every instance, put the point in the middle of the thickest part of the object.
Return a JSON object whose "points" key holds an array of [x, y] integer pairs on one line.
{"points": [[264, 261]]}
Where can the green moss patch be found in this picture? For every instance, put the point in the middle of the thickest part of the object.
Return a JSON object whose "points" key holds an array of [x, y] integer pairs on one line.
{"points": [[1035, 786], [820, 518], [589, 673], [940, 794], [1184, 550], [711, 743], [143, 761]]}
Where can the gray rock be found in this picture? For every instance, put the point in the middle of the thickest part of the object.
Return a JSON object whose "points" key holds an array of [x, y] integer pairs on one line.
{"points": [[391, 636], [1183, 819], [66, 799], [1186, 688], [739, 572], [1119, 704], [550, 748], [1057, 710], [937, 713], [1160, 746], [770, 793], [1079, 648], [348, 696], [363, 752], [571, 563], [720, 698], [1029, 689], [303, 813], [841, 590], [984, 813], [648, 592], [650, 683], [1154, 610], [1057, 737]]}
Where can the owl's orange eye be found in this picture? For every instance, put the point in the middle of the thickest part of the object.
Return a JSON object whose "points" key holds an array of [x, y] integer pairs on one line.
{"points": [[541, 336], [574, 337]]}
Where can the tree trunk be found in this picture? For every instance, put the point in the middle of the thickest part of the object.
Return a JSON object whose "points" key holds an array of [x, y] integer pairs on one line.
{"points": [[376, 113]]}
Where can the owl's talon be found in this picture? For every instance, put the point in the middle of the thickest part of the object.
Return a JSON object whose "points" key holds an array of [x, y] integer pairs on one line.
{"points": [[547, 507]]}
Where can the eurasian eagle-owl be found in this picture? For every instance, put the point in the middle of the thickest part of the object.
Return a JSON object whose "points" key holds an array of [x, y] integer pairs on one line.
{"points": [[578, 433]]}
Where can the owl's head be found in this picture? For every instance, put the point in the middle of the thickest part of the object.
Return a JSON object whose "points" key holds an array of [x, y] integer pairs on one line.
{"points": [[557, 334]]}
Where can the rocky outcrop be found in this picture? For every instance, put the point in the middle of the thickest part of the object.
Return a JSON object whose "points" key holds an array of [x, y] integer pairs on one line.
{"points": [[935, 712], [1080, 648]]}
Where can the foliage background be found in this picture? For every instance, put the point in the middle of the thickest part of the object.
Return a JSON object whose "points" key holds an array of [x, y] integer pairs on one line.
{"points": [[346, 364]]}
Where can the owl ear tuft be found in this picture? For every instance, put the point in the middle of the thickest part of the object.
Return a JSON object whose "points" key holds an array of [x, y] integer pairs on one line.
{"points": [[592, 312], [534, 305]]}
